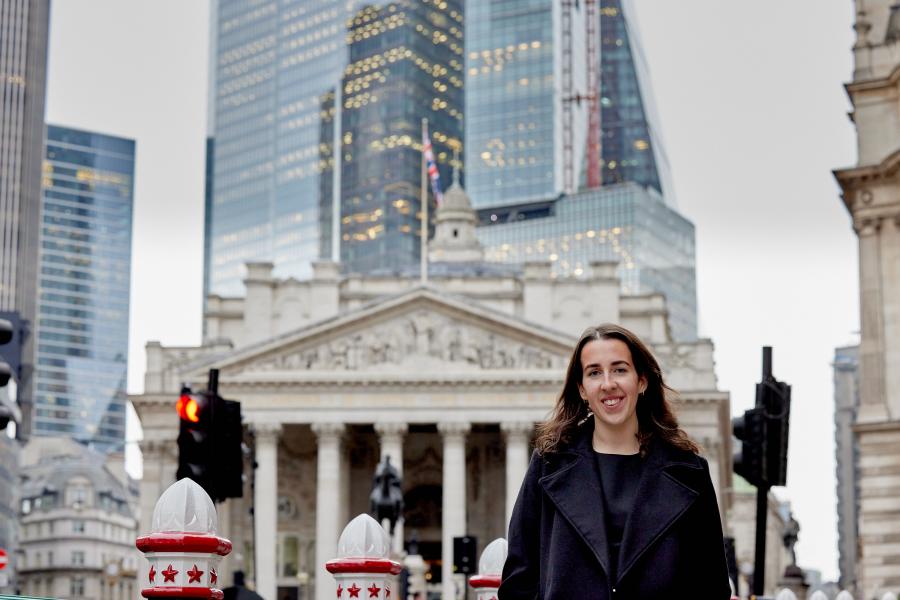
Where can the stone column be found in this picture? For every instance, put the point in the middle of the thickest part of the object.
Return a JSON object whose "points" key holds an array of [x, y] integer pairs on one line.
{"points": [[872, 405], [390, 437], [328, 502], [454, 501], [265, 508], [518, 439]]}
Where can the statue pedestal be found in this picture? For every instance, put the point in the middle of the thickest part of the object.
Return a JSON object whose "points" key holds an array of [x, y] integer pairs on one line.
{"points": [[794, 580]]}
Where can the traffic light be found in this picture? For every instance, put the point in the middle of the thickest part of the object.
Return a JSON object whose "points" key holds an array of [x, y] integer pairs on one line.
{"points": [[464, 554], [210, 441], [228, 470], [6, 335], [195, 439], [750, 461], [776, 398]]}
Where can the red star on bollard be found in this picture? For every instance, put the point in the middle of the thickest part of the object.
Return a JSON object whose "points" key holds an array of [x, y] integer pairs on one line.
{"points": [[152, 574], [213, 577], [340, 591], [387, 591], [373, 591], [194, 575], [169, 574], [354, 591]]}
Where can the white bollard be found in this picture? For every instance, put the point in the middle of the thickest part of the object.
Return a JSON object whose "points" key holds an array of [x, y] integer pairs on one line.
{"points": [[889, 596], [490, 568], [844, 595], [183, 549], [362, 568], [785, 594], [820, 595]]}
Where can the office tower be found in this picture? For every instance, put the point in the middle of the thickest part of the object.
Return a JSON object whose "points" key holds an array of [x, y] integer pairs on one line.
{"points": [[627, 223], [517, 56], [23, 67], [405, 64], [846, 449], [311, 98], [83, 289]]}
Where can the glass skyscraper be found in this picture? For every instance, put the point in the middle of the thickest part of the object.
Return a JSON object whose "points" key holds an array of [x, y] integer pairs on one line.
{"points": [[627, 223], [311, 97], [515, 97], [81, 335], [630, 145], [23, 73], [513, 105], [405, 63]]}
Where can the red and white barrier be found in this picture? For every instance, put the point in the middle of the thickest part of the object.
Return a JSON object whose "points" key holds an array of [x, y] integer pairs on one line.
{"points": [[183, 549]]}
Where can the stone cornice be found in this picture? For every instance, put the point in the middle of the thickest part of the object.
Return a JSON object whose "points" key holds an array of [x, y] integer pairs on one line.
{"points": [[852, 178], [880, 427], [875, 83]]}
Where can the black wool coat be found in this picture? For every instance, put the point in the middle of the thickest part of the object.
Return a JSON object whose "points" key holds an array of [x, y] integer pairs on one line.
{"points": [[672, 547]]}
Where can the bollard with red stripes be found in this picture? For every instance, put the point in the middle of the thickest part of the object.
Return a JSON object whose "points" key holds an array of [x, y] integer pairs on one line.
{"points": [[183, 549]]}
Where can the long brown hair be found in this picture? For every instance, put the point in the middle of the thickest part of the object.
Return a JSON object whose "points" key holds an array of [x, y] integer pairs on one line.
{"points": [[655, 416]]}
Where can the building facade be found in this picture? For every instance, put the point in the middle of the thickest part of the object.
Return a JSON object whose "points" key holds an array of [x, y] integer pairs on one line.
{"points": [[871, 193], [23, 54], [78, 523], [846, 406], [83, 288], [626, 223], [517, 57], [308, 94], [9, 504], [447, 377]]}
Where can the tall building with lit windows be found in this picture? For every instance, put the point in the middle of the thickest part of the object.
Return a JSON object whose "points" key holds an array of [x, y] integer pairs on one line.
{"points": [[517, 56], [405, 64], [81, 334], [317, 112], [626, 223]]}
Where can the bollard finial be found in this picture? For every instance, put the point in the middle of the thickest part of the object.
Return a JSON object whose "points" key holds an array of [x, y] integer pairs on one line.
{"points": [[185, 507], [490, 568], [786, 594], [844, 595], [820, 595], [363, 537], [889, 596]]}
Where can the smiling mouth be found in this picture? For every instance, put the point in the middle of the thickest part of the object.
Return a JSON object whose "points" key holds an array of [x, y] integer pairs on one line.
{"points": [[610, 402]]}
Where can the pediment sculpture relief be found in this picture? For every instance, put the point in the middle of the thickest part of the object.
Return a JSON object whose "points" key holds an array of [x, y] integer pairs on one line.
{"points": [[418, 338]]}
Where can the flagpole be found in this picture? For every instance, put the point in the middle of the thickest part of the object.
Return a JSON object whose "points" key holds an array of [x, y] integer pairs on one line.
{"points": [[423, 267]]}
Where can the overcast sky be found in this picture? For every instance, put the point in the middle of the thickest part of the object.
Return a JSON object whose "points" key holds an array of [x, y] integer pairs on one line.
{"points": [[754, 118]]}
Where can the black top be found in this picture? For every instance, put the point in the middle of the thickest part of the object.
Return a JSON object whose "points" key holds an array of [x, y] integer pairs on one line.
{"points": [[619, 477]]}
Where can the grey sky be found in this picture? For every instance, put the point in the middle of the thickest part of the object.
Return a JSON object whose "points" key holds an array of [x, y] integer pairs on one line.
{"points": [[754, 118]]}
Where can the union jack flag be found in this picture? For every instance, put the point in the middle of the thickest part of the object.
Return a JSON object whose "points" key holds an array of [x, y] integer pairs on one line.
{"points": [[433, 173]]}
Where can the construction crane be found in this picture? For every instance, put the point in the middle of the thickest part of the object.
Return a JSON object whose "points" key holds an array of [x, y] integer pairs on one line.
{"points": [[572, 97]]}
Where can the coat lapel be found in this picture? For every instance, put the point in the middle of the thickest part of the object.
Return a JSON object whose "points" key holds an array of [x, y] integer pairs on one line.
{"points": [[575, 490], [661, 498]]}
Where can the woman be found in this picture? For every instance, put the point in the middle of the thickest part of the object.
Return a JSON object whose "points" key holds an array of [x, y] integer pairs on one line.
{"points": [[616, 502]]}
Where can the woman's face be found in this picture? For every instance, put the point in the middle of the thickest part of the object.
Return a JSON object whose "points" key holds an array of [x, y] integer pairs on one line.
{"points": [[610, 384]]}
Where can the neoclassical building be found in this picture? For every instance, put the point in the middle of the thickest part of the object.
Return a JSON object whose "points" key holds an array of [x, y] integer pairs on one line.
{"points": [[447, 374], [871, 194], [77, 523]]}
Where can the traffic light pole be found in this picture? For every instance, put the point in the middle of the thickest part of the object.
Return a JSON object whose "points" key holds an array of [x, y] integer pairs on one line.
{"points": [[762, 495]]}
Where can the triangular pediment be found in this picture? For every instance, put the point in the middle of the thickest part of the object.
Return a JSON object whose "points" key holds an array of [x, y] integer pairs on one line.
{"points": [[420, 332]]}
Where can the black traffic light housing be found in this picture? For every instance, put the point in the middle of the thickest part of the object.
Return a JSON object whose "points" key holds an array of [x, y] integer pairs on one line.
{"points": [[210, 441], [750, 461], [776, 398], [6, 335]]}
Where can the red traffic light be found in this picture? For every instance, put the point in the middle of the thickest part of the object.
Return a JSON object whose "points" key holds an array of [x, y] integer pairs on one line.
{"points": [[189, 407]]}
